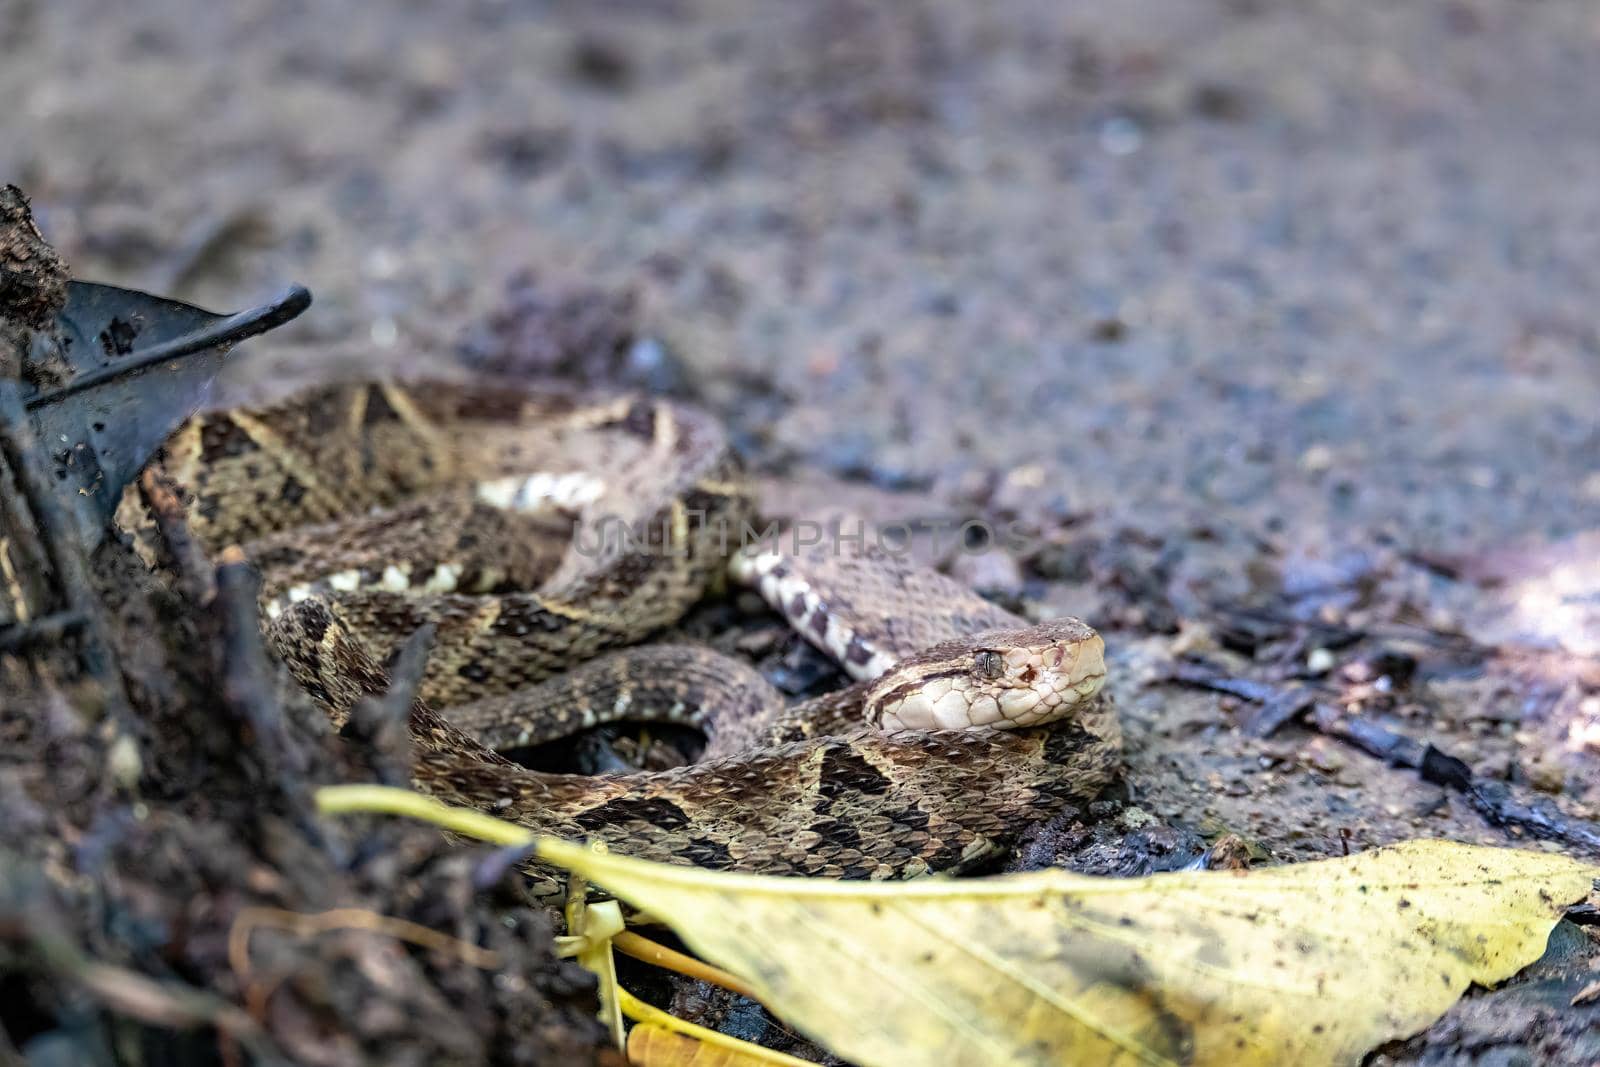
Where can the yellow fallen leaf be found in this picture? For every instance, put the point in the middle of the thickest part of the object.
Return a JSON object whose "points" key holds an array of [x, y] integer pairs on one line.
{"points": [[1310, 963], [651, 1045], [654, 1045]]}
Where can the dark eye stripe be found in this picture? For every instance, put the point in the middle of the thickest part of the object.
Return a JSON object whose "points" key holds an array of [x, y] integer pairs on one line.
{"points": [[905, 689]]}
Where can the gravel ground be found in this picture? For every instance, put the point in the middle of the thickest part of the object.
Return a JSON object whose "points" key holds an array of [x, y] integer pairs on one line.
{"points": [[1245, 304]]}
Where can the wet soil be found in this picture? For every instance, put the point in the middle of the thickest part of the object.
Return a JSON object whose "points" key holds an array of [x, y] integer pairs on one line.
{"points": [[1273, 323]]}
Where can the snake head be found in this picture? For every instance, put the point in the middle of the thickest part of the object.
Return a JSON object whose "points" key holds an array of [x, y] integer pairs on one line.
{"points": [[999, 678]]}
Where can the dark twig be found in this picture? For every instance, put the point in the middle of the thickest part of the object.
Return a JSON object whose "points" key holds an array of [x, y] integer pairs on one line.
{"points": [[405, 672], [250, 682], [1393, 748], [382, 724], [47, 630], [1497, 802], [196, 577], [1278, 704], [250, 689]]}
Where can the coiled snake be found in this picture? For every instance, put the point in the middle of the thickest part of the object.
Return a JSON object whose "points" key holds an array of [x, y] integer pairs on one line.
{"points": [[484, 510]]}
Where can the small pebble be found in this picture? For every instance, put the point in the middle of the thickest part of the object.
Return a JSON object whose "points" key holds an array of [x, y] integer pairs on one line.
{"points": [[124, 763], [1547, 776], [1316, 459], [1135, 818], [1194, 638], [1120, 136]]}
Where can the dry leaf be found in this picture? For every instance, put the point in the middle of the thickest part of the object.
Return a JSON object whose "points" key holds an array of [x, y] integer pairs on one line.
{"points": [[650, 1045], [1309, 963]]}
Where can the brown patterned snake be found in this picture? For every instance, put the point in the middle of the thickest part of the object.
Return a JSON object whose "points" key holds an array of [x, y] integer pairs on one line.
{"points": [[377, 508]]}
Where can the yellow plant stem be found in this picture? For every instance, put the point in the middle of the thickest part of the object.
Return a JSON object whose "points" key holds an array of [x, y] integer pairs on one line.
{"points": [[598, 924], [388, 800], [642, 948]]}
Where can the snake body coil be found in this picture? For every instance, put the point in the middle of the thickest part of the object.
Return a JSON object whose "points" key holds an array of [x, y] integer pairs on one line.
{"points": [[375, 509]]}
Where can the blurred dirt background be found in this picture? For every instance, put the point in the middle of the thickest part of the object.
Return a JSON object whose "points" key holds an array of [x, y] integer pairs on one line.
{"points": [[1275, 320]]}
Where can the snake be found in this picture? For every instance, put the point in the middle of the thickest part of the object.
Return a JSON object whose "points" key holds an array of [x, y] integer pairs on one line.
{"points": [[545, 537]]}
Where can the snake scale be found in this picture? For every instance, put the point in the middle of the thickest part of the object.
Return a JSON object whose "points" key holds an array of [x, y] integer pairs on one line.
{"points": [[376, 508]]}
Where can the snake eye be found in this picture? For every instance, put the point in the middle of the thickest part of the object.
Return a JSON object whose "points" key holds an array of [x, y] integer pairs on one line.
{"points": [[988, 665]]}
